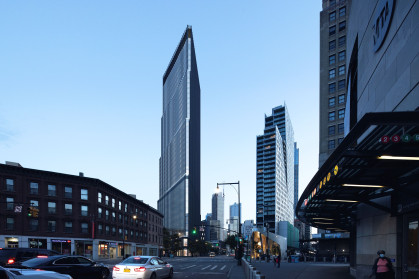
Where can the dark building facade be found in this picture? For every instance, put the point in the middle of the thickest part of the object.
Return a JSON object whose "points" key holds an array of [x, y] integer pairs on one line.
{"points": [[180, 162], [76, 214]]}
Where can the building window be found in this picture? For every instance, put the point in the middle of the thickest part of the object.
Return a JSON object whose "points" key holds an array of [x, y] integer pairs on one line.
{"points": [[342, 26], [113, 203], [341, 113], [120, 232], [84, 210], [331, 144], [106, 200], [113, 217], [341, 84], [340, 140], [341, 128], [106, 214], [342, 41], [332, 73], [342, 56], [68, 227], [99, 197], [99, 212], [342, 12], [10, 203], [332, 16], [68, 192], [332, 59], [126, 207], [341, 99], [84, 194], [120, 218], [52, 207], [107, 231], [33, 225], [332, 88], [331, 116], [332, 45], [342, 70], [10, 223], [113, 231], [52, 190], [332, 3], [34, 188], [52, 226], [10, 185], [331, 130], [68, 209], [119, 205], [34, 203], [332, 102], [332, 30], [100, 229], [84, 227]]}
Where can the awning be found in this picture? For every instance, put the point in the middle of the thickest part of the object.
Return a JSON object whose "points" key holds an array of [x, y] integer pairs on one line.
{"points": [[378, 158]]}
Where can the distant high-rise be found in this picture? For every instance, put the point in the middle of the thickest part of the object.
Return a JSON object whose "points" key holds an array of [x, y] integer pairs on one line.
{"points": [[179, 195], [333, 69], [233, 223], [218, 214], [296, 166], [275, 171]]}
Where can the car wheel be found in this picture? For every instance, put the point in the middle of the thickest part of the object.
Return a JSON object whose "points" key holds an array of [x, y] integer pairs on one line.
{"points": [[170, 273], [153, 276], [104, 273]]}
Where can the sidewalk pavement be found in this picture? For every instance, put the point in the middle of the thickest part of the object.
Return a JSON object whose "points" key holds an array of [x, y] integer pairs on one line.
{"points": [[236, 272]]}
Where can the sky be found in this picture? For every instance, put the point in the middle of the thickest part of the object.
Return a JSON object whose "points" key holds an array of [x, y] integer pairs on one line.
{"points": [[81, 87]]}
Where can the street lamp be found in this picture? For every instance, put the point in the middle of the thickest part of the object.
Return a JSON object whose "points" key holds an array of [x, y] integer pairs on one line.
{"points": [[239, 262]]}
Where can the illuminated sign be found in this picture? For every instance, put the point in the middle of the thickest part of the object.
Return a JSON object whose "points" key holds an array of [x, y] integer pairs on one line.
{"points": [[382, 20], [397, 138]]}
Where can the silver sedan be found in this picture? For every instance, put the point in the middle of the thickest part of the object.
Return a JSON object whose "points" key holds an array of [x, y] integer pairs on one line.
{"points": [[142, 267], [14, 273]]}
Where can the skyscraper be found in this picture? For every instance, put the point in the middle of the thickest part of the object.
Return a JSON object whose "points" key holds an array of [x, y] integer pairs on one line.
{"points": [[179, 195], [218, 214], [296, 167], [275, 171], [233, 223], [333, 71]]}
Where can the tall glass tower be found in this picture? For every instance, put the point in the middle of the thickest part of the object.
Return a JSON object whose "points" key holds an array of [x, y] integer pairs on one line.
{"points": [[275, 171], [180, 161]]}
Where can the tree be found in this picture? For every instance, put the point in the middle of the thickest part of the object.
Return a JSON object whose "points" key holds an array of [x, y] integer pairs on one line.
{"points": [[231, 241]]}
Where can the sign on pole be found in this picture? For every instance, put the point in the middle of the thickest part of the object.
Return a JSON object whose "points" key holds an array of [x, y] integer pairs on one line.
{"points": [[18, 209]]}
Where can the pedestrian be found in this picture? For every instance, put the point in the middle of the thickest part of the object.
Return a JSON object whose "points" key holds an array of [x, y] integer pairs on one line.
{"points": [[382, 268], [274, 260], [278, 261]]}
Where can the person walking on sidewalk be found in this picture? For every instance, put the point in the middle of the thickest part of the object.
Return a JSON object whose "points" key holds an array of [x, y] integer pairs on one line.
{"points": [[274, 260], [382, 268], [278, 261]]}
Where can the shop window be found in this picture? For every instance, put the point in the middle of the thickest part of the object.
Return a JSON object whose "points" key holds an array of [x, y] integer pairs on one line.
{"points": [[52, 226], [10, 203], [332, 45], [34, 188], [39, 243], [52, 190], [10, 223], [10, 185], [84, 194], [52, 207], [332, 88], [68, 209], [68, 227], [68, 192]]}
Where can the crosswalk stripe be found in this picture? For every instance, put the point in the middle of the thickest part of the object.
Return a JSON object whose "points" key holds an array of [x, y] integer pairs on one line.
{"points": [[214, 267], [223, 267], [206, 267], [189, 266]]}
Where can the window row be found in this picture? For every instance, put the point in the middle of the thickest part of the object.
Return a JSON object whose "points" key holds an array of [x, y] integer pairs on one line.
{"points": [[332, 100], [332, 114], [332, 129], [341, 86], [112, 202], [341, 27], [341, 43], [341, 72], [341, 57], [332, 143], [34, 189], [332, 15]]}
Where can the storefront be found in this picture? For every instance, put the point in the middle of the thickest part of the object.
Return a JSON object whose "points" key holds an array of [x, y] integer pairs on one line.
{"points": [[84, 248], [62, 246], [40, 243], [140, 251], [12, 242]]}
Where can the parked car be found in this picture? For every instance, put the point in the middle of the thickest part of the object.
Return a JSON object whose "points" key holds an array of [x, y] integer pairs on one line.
{"points": [[142, 267], [212, 254], [13, 273], [76, 266], [12, 257]]}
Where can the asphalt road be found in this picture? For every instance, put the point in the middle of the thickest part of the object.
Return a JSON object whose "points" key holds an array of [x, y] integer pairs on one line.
{"points": [[200, 267]]}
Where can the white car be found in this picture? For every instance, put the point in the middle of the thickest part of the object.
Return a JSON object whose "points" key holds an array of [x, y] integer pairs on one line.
{"points": [[15, 273], [142, 267]]}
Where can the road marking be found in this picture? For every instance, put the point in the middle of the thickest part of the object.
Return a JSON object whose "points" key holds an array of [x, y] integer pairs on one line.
{"points": [[214, 267], [223, 267], [189, 266], [205, 267]]}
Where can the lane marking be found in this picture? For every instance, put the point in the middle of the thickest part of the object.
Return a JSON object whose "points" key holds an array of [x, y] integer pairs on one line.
{"points": [[206, 267], [223, 267], [214, 267], [188, 267]]}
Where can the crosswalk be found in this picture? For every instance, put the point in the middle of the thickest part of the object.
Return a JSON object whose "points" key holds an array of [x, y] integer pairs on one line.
{"points": [[204, 267]]}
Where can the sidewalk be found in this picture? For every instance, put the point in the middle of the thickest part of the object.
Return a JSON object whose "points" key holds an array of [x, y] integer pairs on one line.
{"points": [[236, 272]]}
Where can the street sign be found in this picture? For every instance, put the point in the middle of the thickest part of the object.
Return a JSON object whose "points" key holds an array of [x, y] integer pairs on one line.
{"points": [[18, 209]]}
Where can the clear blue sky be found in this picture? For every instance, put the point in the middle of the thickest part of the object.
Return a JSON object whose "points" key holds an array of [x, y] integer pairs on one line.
{"points": [[81, 86]]}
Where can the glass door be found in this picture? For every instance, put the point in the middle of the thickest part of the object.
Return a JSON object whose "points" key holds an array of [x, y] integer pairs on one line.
{"points": [[412, 265]]}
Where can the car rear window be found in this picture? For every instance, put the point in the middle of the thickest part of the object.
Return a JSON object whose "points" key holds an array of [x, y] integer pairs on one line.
{"points": [[6, 253], [35, 262], [135, 260]]}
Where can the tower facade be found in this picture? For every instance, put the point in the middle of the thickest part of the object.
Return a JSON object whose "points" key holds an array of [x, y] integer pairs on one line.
{"points": [[218, 214], [275, 171], [179, 193]]}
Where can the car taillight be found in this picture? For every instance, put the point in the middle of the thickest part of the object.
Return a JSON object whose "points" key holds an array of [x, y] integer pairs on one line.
{"points": [[139, 269], [42, 257], [167, 265], [11, 261], [115, 268]]}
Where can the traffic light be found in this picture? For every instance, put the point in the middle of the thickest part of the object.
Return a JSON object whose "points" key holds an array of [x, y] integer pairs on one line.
{"points": [[35, 212], [29, 211], [194, 230]]}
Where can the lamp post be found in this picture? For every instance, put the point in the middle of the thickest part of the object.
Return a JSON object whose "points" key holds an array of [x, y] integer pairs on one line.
{"points": [[239, 262]]}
